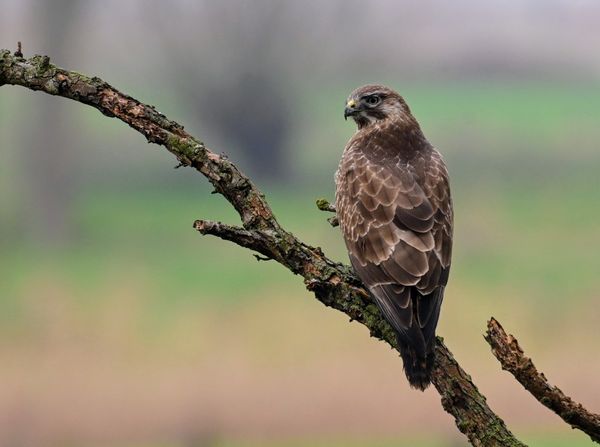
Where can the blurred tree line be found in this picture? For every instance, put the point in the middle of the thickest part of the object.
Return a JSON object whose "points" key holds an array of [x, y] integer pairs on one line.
{"points": [[244, 74]]}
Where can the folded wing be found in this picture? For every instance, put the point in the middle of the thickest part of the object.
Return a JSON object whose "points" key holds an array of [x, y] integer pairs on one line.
{"points": [[397, 222]]}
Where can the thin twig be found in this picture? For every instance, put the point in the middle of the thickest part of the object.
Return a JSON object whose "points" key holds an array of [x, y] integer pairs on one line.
{"points": [[324, 205], [254, 240]]}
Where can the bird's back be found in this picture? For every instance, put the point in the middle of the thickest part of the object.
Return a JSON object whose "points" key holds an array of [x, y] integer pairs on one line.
{"points": [[395, 211]]}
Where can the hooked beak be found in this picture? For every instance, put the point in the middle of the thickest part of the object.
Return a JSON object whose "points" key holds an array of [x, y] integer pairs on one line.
{"points": [[351, 109]]}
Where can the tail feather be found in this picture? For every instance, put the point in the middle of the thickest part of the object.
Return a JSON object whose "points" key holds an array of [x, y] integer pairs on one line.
{"points": [[417, 366]]}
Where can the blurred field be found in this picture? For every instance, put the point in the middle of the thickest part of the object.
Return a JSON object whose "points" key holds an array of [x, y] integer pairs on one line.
{"points": [[138, 332]]}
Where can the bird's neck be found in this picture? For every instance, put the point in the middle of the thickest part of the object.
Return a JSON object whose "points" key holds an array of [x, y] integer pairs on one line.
{"points": [[404, 135], [400, 126]]}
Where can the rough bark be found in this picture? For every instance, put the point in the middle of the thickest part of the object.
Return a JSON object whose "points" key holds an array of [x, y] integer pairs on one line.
{"points": [[334, 284], [512, 358]]}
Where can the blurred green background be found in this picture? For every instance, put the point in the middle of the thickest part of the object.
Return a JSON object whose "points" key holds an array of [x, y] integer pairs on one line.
{"points": [[120, 326]]}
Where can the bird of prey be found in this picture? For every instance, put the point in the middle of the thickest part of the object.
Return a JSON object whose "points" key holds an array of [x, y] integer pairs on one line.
{"points": [[394, 208]]}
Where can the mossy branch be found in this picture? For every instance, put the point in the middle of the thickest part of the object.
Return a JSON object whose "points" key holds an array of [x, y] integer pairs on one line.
{"points": [[332, 283], [509, 353]]}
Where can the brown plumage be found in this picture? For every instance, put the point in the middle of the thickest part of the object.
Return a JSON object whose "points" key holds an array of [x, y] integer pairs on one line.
{"points": [[395, 211]]}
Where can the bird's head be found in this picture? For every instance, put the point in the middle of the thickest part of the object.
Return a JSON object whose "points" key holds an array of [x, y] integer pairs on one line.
{"points": [[370, 104]]}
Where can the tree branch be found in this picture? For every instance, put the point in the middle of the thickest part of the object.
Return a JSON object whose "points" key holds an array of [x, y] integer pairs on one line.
{"points": [[253, 240], [324, 205], [512, 358], [332, 283]]}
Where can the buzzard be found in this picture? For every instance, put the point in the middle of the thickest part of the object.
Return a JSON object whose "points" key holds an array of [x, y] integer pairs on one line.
{"points": [[395, 211]]}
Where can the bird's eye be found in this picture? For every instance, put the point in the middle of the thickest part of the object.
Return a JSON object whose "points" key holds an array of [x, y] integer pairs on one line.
{"points": [[373, 100]]}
